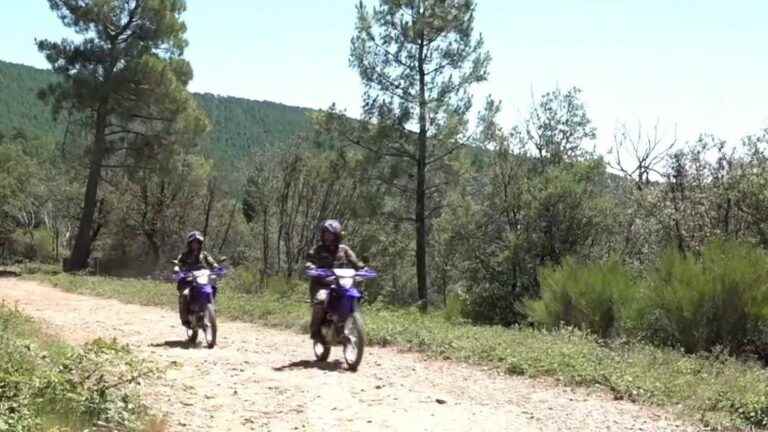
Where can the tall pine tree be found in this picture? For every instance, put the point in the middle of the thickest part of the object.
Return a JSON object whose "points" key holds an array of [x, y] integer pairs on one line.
{"points": [[417, 60], [127, 78]]}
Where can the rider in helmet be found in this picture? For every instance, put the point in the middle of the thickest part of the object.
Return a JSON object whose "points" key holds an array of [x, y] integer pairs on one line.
{"points": [[330, 253], [194, 258]]}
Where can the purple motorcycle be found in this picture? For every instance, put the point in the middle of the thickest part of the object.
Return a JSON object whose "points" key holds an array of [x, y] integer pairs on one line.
{"points": [[201, 287], [343, 323]]}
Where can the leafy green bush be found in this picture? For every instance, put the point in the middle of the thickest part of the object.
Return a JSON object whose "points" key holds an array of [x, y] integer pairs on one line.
{"points": [[46, 385], [454, 308], [698, 303], [717, 299], [494, 303], [37, 246], [247, 279], [598, 297], [38, 268]]}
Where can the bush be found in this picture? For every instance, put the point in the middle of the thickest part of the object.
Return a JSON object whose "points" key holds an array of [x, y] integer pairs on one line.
{"points": [[717, 299], [46, 385], [455, 306], [246, 279], [600, 297], [493, 304], [38, 247]]}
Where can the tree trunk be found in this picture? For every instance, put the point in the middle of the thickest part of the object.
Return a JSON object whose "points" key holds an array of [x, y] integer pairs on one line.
{"points": [[56, 240], [225, 237], [154, 249], [78, 259], [421, 187], [209, 206], [265, 244], [444, 279]]}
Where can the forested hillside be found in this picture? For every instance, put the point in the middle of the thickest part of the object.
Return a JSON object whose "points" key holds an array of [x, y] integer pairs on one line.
{"points": [[19, 106], [239, 125]]}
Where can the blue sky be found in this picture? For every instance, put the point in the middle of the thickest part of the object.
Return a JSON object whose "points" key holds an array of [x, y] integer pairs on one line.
{"points": [[699, 66]]}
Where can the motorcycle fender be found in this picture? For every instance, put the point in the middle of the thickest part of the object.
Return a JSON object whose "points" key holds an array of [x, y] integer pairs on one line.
{"points": [[200, 297]]}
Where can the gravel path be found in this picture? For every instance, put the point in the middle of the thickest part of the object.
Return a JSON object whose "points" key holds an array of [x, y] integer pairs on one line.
{"points": [[259, 379]]}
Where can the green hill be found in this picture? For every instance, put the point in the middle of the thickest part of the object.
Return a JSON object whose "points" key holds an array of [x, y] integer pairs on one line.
{"points": [[19, 106], [239, 125]]}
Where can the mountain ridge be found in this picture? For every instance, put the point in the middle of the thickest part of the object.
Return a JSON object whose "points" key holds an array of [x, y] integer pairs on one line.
{"points": [[239, 125]]}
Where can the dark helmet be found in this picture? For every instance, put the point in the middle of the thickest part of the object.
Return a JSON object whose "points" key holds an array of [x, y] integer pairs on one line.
{"points": [[332, 226], [195, 235]]}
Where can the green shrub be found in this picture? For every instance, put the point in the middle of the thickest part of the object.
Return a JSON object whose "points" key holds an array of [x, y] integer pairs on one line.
{"points": [[38, 268], [37, 247], [717, 299], [454, 308], [698, 303], [47, 385], [599, 297], [246, 279], [493, 304]]}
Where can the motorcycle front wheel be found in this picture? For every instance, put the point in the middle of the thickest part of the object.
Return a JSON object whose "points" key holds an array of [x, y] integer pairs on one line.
{"points": [[354, 343], [322, 349], [209, 325], [192, 336]]}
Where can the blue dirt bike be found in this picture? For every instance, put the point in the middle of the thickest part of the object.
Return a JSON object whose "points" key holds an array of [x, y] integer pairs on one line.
{"points": [[343, 322], [201, 288]]}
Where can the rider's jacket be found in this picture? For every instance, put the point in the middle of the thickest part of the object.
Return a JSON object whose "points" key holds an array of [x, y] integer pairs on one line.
{"points": [[190, 261], [324, 256]]}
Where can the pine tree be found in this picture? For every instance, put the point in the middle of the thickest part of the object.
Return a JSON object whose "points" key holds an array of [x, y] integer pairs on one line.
{"points": [[417, 60], [127, 78]]}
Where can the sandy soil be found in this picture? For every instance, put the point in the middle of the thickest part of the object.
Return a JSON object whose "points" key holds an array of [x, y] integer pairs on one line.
{"points": [[265, 380]]}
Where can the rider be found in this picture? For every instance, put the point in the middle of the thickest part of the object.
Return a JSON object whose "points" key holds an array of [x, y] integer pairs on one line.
{"points": [[330, 253], [194, 258]]}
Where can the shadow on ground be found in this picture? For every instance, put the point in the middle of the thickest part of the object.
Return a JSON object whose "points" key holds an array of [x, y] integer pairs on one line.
{"points": [[334, 366], [174, 344]]}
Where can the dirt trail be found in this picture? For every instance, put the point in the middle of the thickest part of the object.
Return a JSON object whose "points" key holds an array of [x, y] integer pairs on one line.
{"points": [[264, 380]]}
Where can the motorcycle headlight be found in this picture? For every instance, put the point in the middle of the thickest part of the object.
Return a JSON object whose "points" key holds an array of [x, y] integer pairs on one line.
{"points": [[346, 282], [202, 280]]}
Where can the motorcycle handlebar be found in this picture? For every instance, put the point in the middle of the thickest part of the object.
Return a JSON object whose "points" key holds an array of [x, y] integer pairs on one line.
{"points": [[188, 275], [322, 273]]}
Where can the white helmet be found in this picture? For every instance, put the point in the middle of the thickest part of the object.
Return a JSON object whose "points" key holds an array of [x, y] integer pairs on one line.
{"points": [[195, 235]]}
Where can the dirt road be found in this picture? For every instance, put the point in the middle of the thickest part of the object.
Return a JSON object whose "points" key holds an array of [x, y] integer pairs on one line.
{"points": [[264, 380]]}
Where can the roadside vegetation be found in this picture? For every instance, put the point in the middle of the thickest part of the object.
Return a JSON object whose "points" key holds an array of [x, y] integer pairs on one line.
{"points": [[47, 385], [716, 388]]}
